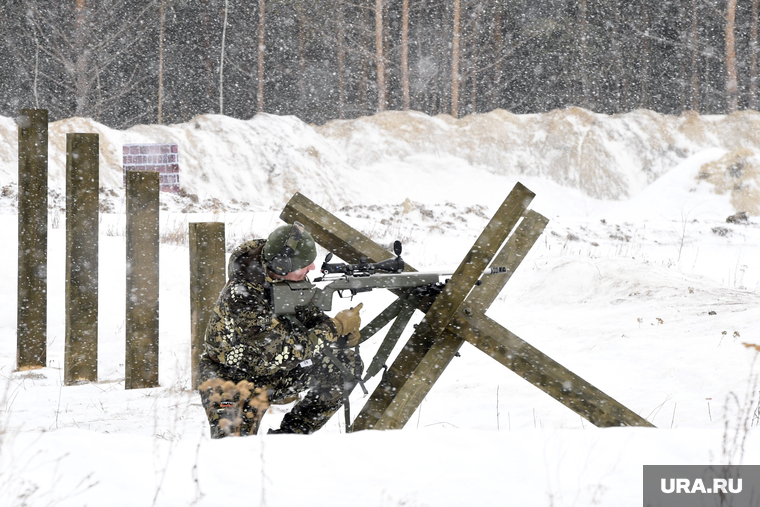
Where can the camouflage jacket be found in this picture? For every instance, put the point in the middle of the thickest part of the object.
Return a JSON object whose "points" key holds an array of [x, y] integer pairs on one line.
{"points": [[243, 332]]}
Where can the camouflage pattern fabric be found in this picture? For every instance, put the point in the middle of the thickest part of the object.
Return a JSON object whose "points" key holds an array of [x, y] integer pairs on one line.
{"points": [[233, 408], [235, 411], [254, 358]]}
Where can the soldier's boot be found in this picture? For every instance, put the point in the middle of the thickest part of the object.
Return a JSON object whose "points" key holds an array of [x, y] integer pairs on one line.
{"points": [[233, 409]]}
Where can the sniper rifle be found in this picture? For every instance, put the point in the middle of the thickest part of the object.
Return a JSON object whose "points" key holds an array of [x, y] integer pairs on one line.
{"points": [[352, 279]]}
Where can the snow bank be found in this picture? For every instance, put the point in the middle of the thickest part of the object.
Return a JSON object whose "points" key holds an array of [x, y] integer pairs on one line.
{"points": [[261, 162], [607, 157]]}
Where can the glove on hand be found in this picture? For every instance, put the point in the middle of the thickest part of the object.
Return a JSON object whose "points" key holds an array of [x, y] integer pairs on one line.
{"points": [[353, 339], [347, 322]]}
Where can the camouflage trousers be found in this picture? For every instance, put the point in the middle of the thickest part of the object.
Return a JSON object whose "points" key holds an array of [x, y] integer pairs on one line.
{"points": [[235, 402]]}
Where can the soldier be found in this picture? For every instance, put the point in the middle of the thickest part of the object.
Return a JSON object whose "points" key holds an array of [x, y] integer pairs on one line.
{"points": [[254, 358]]}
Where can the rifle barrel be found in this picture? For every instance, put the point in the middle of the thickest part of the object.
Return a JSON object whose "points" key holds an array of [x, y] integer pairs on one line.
{"points": [[490, 271], [495, 270]]}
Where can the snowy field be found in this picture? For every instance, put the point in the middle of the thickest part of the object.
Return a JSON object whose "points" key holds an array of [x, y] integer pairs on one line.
{"points": [[645, 291]]}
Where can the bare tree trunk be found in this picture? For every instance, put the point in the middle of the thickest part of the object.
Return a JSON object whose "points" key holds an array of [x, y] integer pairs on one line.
{"points": [[206, 28], [753, 56], [474, 91], [422, 97], [262, 47], [455, 64], [301, 55], [694, 57], [365, 65], [440, 99], [683, 36], [474, 62], [36, 72], [341, 64], [81, 84], [732, 89], [583, 54], [382, 96], [221, 59], [161, 63], [405, 55], [618, 57], [364, 85], [646, 57], [386, 51], [499, 46]]}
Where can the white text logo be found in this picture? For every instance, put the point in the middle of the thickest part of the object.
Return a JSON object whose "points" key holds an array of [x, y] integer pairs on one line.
{"points": [[698, 486]]}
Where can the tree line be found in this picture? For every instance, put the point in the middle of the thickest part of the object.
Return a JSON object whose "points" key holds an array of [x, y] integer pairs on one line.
{"points": [[124, 62]]}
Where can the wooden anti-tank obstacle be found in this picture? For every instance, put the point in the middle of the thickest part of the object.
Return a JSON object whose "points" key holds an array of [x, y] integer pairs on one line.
{"points": [[458, 315]]}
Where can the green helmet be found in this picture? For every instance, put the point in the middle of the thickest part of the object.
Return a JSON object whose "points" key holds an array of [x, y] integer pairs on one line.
{"points": [[289, 248]]}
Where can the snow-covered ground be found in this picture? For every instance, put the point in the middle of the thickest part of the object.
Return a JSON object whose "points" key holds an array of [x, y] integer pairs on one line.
{"points": [[650, 298]]}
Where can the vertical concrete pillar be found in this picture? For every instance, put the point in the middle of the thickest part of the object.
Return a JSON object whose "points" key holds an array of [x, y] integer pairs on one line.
{"points": [[141, 362], [207, 279], [82, 181], [31, 327]]}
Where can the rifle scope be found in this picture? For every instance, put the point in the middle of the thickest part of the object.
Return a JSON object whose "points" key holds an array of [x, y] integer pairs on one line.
{"points": [[364, 267]]}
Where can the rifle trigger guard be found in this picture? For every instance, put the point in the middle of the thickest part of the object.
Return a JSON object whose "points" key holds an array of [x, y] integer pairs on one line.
{"points": [[352, 291]]}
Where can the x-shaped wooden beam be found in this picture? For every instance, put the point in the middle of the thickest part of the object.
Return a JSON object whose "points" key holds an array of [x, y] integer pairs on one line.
{"points": [[458, 315]]}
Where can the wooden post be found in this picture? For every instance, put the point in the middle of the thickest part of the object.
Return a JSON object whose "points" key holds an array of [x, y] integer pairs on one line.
{"points": [[82, 181], [31, 327], [141, 363], [207, 279]]}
